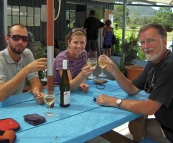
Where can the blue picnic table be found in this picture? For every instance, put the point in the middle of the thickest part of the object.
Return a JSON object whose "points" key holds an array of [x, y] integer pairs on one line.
{"points": [[80, 122]]}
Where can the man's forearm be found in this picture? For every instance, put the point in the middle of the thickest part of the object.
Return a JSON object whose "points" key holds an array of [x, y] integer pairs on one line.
{"points": [[124, 83], [35, 85], [8, 88], [36, 89]]}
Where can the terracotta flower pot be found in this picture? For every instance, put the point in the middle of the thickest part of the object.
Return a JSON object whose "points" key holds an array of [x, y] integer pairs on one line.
{"points": [[133, 71], [168, 29]]}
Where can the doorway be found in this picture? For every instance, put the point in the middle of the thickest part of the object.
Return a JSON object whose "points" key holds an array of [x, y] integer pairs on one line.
{"points": [[77, 13]]}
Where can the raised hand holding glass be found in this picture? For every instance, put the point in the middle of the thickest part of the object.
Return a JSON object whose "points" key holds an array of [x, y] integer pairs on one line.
{"points": [[102, 63], [93, 63]]}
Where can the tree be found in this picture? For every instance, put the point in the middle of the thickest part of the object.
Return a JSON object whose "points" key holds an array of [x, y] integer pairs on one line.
{"points": [[118, 15], [145, 20], [164, 16]]}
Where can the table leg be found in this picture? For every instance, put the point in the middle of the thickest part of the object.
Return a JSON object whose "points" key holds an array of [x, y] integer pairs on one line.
{"points": [[138, 128], [115, 137]]}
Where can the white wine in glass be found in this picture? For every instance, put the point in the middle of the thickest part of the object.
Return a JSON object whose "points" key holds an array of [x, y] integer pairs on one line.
{"points": [[102, 64], [93, 63], [49, 98], [102, 61]]}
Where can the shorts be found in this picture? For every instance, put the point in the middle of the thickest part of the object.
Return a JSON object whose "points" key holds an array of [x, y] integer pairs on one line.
{"points": [[155, 131], [106, 46], [91, 45]]}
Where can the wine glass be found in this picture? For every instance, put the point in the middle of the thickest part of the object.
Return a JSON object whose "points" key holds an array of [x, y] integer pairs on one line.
{"points": [[102, 63], [45, 78], [49, 98], [93, 63]]}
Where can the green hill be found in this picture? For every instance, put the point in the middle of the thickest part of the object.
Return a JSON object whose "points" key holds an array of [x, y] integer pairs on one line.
{"points": [[141, 11]]}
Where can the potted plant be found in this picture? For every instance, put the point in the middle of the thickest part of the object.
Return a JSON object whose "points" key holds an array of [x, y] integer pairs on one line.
{"points": [[130, 48], [130, 53], [117, 47], [168, 28], [39, 52]]}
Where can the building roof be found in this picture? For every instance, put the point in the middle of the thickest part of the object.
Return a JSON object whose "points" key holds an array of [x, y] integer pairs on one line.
{"points": [[153, 2]]}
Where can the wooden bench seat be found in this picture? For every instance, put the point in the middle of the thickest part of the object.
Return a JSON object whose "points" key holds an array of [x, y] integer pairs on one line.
{"points": [[147, 140]]}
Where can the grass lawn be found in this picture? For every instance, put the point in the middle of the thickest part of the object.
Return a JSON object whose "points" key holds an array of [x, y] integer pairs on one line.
{"points": [[169, 36]]}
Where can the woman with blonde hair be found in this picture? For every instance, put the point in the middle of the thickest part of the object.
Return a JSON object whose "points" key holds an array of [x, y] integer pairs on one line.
{"points": [[76, 57]]}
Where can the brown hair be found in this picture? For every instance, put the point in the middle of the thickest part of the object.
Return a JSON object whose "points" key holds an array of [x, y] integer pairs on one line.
{"points": [[108, 22], [160, 29], [75, 32], [17, 24]]}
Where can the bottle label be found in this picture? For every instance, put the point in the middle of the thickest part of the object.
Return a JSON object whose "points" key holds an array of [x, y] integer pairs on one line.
{"points": [[66, 97]]}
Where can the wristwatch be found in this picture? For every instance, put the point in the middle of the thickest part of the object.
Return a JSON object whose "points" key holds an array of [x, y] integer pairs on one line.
{"points": [[118, 102]]}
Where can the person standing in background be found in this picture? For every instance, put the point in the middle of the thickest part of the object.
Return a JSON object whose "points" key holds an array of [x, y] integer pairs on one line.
{"points": [[107, 34], [67, 26], [91, 26]]}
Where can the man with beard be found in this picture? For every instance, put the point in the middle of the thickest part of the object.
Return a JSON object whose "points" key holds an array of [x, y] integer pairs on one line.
{"points": [[156, 79], [17, 63]]}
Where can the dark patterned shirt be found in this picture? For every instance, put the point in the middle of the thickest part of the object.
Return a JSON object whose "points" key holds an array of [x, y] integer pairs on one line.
{"points": [[161, 74]]}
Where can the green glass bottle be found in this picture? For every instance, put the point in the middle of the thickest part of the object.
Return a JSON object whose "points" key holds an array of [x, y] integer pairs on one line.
{"points": [[64, 98]]}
